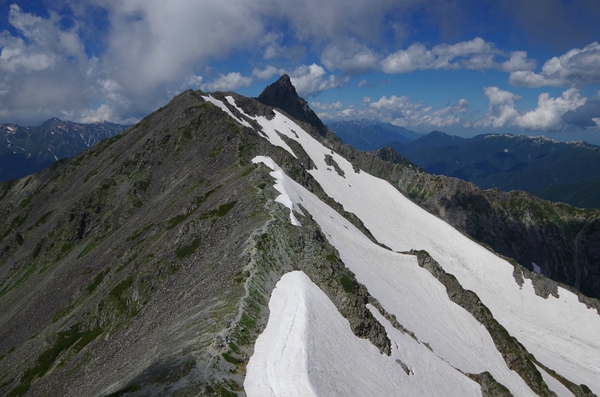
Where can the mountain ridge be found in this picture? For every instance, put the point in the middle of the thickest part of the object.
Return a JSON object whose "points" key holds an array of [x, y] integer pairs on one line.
{"points": [[538, 165], [145, 264], [81, 228], [368, 134], [26, 150], [557, 171]]}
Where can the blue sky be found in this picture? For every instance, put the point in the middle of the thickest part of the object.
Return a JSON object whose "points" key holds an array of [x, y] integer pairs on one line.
{"points": [[460, 66]]}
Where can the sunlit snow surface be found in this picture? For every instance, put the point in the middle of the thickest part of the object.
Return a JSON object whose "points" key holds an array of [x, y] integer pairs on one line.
{"points": [[226, 110], [418, 300], [282, 185], [562, 333], [308, 349]]}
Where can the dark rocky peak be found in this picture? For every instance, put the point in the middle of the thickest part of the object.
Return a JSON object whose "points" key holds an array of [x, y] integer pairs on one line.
{"points": [[282, 94], [283, 87], [438, 138], [388, 154], [51, 122], [437, 133]]}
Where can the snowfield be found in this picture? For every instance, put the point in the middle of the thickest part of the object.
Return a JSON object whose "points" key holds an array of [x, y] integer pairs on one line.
{"points": [[323, 355], [308, 349], [418, 300]]}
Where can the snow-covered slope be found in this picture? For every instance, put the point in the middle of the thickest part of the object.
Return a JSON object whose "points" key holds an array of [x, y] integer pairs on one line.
{"points": [[561, 333], [308, 349]]}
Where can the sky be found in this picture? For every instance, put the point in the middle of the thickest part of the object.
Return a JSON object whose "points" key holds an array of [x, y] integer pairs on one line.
{"points": [[459, 66]]}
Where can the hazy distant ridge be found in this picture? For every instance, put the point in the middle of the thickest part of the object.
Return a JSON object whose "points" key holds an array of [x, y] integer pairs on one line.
{"points": [[25, 150], [558, 171]]}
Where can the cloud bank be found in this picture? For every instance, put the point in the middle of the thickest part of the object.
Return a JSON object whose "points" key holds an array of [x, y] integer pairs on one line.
{"points": [[475, 54], [548, 115], [576, 68], [400, 111], [36, 63], [311, 79], [117, 61], [571, 109]]}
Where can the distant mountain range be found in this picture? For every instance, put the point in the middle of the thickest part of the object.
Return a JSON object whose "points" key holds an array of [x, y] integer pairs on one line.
{"points": [[556, 171], [369, 134], [568, 172], [25, 150]]}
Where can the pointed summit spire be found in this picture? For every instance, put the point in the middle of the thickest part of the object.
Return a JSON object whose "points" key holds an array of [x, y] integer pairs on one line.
{"points": [[281, 89], [282, 94]]}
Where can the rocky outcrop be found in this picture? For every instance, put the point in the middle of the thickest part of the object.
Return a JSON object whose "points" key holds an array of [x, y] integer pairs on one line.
{"points": [[282, 94], [587, 254]]}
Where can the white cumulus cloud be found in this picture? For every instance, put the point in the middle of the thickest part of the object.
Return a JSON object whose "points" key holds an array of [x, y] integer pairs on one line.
{"points": [[228, 82], [415, 57], [549, 112], [577, 68], [402, 112], [45, 45], [336, 20], [268, 72], [193, 81], [476, 54], [43, 69], [350, 57], [517, 62], [311, 80], [547, 116], [273, 47], [326, 106], [153, 42]]}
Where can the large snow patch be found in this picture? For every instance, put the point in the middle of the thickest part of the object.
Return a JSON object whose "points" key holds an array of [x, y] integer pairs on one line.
{"points": [[308, 349]]}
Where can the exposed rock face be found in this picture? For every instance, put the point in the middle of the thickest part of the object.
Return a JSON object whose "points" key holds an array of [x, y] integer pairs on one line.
{"points": [[125, 246], [587, 259], [527, 229], [282, 94]]}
